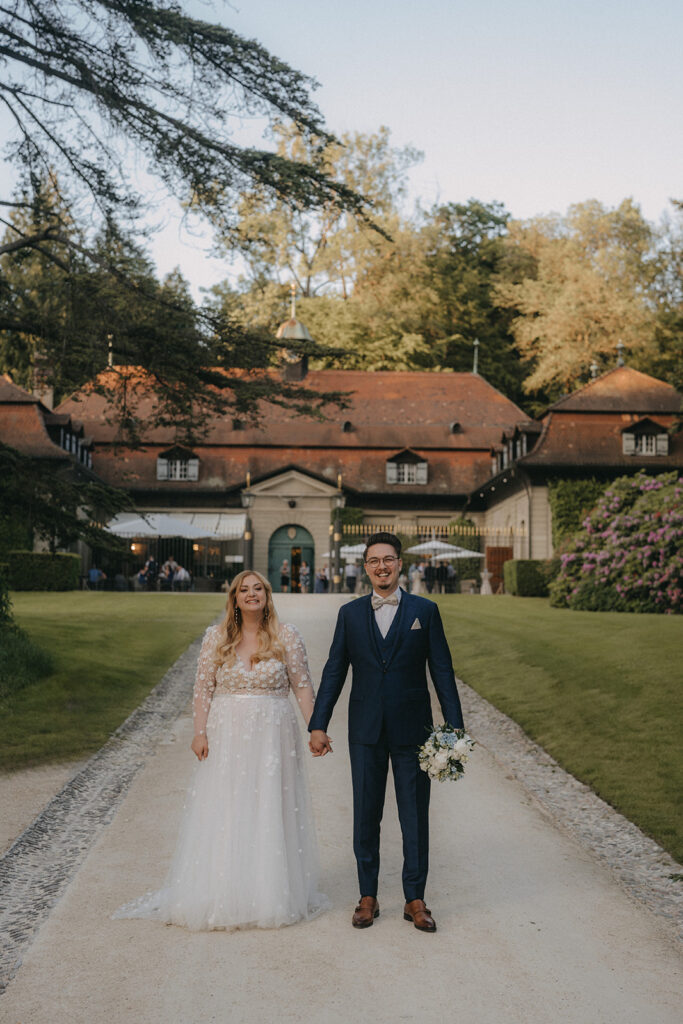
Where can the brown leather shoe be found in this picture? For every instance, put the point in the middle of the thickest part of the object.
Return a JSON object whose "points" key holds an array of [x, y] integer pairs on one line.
{"points": [[366, 912], [417, 912]]}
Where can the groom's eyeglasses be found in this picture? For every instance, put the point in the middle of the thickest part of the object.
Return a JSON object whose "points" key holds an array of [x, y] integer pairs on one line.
{"points": [[374, 563]]}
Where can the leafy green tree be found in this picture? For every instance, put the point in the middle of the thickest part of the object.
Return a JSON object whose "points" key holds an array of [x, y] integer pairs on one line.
{"points": [[65, 306], [54, 505], [589, 289], [323, 250], [665, 359], [86, 83], [84, 78]]}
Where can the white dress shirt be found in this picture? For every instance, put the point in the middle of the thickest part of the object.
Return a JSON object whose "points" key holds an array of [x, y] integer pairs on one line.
{"points": [[384, 616]]}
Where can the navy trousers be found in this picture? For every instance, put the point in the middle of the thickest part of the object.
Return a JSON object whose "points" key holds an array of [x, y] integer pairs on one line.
{"points": [[369, 770]]}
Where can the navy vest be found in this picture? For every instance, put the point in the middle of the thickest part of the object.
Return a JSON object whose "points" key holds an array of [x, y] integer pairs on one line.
{"points": [[385, 644]]}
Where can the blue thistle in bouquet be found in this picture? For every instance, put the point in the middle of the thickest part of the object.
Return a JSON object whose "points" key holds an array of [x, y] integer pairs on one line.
{"points": [[445, 752]]}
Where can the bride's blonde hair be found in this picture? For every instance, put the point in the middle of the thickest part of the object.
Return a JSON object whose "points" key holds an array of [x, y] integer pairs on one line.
{"points": [[230, 630]]}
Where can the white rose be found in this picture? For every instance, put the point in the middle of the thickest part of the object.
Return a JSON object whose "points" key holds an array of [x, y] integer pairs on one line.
{"points": [[461, 749], [441, 759]]}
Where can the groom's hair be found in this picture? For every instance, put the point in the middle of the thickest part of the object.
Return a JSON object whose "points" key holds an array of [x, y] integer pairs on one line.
{"points": [[383, 537]]}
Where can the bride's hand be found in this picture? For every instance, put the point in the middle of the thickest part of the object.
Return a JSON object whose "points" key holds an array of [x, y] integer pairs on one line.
{"points": [[200, 747], [320, 743]]}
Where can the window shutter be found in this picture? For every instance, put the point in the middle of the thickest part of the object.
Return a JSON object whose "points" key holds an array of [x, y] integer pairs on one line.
{"points": [[392, 473], [421, 473], [162, 469], [629, 444], [193, 469], [662, 444]]}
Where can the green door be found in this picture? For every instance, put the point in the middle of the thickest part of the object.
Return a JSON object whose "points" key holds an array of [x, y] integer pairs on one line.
{"points": [[293, 544]]}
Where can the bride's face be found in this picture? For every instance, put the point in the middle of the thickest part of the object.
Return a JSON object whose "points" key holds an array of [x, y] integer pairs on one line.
{"points": [[251, 595]]}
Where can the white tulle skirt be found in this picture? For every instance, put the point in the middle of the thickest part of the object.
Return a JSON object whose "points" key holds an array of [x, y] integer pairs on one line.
{"points": [[246, 855]]}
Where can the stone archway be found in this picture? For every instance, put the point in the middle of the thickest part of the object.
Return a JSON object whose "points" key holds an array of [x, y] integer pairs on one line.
{"points": [[295, 544]]}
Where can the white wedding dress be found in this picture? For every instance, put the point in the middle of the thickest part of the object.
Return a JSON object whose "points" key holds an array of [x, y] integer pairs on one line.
{"points": [[246, 854]]}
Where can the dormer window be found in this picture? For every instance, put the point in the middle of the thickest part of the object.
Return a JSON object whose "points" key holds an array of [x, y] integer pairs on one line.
{"points": [[646, 437], [177, 464], [347, 427], [406, 468]]}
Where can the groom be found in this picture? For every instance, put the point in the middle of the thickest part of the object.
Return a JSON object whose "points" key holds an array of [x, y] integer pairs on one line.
{"points": [[388, 638]]}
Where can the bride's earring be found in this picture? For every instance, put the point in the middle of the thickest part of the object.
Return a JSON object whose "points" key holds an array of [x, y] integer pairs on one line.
{"points": [[238, 616]]}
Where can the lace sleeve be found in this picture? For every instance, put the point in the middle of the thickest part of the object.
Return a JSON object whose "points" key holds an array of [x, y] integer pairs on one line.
{"points": [[205, 682], [298, 671]]}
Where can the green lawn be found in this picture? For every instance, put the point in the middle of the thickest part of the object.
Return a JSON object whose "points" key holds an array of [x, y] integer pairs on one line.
{"points": [[600, 691], [109, 651]]}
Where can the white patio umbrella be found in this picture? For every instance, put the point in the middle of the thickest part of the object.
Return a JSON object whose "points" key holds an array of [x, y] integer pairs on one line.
{"points": [[440, 549], [348, 552], [155, 524]]}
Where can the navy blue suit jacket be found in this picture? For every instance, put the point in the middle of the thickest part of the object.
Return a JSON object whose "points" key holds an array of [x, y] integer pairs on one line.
{"points": [[389, 689]]}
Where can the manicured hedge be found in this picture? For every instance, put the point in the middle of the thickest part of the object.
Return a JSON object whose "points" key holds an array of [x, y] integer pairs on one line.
{"points": [[36, 570], [525, 577]]}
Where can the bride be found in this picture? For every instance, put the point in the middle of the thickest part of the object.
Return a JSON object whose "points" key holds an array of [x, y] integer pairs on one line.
{"points": [[246, 853]]}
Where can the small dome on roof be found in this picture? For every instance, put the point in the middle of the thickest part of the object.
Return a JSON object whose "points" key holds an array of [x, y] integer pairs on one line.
{"points": [[293, 330]]}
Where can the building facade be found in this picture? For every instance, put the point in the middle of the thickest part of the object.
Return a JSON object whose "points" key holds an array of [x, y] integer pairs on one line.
{"points": [[406, 451], [619, 423]]}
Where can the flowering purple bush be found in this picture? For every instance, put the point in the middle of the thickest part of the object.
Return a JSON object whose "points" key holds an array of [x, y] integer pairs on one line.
{"points": [[629, 555]]}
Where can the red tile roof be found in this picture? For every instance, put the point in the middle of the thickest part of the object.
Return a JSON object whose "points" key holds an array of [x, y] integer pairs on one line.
{"points": [[12, 393], [24, 420], [224, 469], [387, 410], [22, 427], [595, 439], [622, 389]]}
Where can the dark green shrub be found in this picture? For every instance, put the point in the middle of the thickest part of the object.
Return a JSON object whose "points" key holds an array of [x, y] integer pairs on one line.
{"points": [[629, 555], [570, 502], [5, 603], [525, 577], [550, 569], [21, 661], [37, 570], [14, 534]]}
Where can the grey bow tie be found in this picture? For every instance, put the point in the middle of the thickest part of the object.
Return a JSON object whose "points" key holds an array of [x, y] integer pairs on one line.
{"points": [[378, 601]]}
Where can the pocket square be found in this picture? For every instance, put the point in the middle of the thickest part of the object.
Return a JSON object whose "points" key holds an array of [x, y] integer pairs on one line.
{"points": [[416, 624]]}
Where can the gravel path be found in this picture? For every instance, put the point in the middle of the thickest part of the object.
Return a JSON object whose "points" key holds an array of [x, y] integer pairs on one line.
{"points": [[536, 922], [38, 866]]}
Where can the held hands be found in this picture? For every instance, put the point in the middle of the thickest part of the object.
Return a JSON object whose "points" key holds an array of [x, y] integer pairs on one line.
{"points": [[200, 747], [320, 743]]}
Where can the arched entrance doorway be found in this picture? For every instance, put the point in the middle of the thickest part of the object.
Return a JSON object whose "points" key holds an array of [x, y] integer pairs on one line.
{"points": [[296, 545]]}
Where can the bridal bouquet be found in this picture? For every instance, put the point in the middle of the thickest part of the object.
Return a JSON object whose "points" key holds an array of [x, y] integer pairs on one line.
{"points": [[444, 754]]}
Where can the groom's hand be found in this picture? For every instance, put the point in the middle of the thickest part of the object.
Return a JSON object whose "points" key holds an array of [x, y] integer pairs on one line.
{"points": [[320, 743]]}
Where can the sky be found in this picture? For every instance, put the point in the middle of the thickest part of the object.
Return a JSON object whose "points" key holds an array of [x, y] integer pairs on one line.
{"points": [[536, 103]]}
